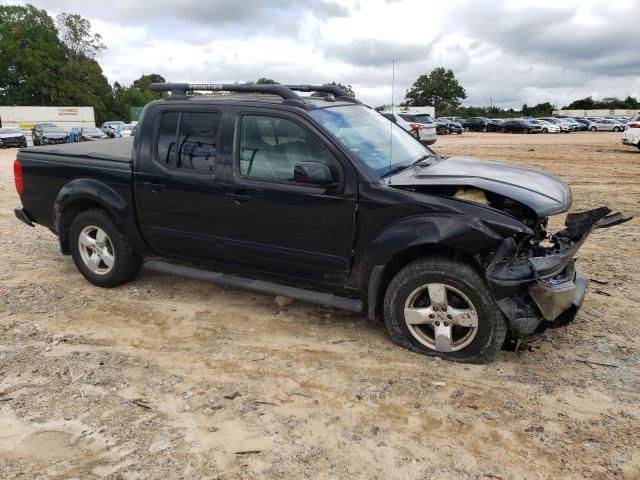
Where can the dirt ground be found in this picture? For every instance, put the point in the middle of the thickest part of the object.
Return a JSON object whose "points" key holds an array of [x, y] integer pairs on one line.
{"points": [[172, 378]]}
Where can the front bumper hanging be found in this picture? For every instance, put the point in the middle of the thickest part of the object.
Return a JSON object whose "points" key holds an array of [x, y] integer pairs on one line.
{"points": [[536, 292]]}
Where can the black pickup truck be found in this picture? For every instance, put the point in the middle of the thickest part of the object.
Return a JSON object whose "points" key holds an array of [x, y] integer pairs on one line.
{"points": [[320, 199]]}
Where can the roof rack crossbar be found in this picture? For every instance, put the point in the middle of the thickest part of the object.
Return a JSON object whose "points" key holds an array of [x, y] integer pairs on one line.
{"points": [[181, 89]]}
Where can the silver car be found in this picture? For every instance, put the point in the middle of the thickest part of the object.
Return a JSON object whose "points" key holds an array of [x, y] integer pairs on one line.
{"points": [[607, 125]]}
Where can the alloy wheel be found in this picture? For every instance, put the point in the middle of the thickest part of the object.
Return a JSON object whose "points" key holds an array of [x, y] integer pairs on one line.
{"points": [[441, 317], [96, 250]]}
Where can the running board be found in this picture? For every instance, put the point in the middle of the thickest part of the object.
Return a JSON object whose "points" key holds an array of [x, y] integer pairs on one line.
{"points": [[261, 286]]}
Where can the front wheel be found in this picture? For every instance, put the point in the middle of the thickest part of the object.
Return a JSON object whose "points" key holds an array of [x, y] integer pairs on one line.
{"points": [[101, 251], [616, 129], [593, 129], [503, 130], [442, 307], [545, 130]]}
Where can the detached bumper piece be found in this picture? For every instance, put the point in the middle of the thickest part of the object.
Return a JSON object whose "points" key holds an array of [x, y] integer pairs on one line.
{"points": [[544, 288]]}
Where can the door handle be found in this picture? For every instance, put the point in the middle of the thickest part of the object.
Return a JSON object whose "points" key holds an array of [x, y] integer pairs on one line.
{"points": [[154, 187], [239, 198]]}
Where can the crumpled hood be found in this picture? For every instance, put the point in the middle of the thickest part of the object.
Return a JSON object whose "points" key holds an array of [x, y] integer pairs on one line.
{"points": [[543, 193], [54, 135], [11, 135]]}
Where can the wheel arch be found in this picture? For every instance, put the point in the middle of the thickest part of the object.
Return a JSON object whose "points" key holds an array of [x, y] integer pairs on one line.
{"points": [[83, 194]]}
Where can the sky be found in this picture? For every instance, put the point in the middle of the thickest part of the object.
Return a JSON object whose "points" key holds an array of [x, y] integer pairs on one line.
{"points": [[508, 52]]}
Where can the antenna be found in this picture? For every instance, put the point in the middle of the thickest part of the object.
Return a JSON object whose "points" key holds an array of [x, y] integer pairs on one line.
{"points": [[393, 81]]}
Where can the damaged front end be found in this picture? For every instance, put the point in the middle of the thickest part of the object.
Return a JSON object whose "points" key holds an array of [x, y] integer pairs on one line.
{"points": [[535, 281]]}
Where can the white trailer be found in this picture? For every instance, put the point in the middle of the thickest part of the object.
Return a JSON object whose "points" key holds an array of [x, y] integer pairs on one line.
{"points": [[25, 118], [431, 111]]}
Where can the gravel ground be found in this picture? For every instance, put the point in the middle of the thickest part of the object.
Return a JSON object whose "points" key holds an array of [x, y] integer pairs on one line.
{"points": [[173, 378]]}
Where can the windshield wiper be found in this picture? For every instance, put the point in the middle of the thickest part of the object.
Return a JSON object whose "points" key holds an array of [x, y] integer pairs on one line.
{"points": [[395, 170], [423, 158]]}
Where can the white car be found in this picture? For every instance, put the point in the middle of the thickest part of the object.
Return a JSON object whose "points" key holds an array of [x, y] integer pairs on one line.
{"points": [[547, 127], [126, 130], [425, 132], [109, 128], [632, 133], [564, 126]]}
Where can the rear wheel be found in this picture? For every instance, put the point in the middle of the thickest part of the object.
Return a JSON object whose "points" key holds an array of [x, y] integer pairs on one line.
{"points": [[485, 129], [616, 129], [545, 130], [101, 251], [593, 129], [442, 307], [503, 130]]}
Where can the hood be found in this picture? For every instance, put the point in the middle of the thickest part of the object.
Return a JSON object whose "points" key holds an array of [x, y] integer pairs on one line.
{"points": [[543, 193], [54, 135], [11, 135]]}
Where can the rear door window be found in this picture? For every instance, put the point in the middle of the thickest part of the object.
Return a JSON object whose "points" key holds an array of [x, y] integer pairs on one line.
{"points": [[188, 140]]}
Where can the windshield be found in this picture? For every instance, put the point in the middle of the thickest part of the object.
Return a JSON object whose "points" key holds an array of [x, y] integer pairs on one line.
{"points": [[114, 124], [9, 130], [127, 127], [377, 143], [53, 130]]}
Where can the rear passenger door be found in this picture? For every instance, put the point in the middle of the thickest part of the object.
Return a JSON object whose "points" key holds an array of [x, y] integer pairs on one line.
{"points": [[178, 191], [281, 226]]}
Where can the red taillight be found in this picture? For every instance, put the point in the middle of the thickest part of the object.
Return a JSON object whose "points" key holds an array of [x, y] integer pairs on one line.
{"points": [[415, 126], [633, 125], [17, 176]]}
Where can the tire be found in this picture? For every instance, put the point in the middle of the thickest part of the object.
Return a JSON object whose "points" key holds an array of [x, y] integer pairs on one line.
{"points": [[527, 131], [545, 130], [463, 288], [594, 129], [616, 129], [485, 129], [116, 249], [466, 129], [503, 130]]}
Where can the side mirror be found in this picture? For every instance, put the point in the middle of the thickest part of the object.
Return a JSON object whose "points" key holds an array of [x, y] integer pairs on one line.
{"points": [[312, 172]]}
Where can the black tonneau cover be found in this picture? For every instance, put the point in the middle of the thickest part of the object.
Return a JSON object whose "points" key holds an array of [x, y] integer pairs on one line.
{"points": [[117, 149]]}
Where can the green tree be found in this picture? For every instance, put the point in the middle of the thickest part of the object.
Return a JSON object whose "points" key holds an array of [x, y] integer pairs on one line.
{"points": [[346, 88], [84, 84], [266, 81], [438, 89], [75, 34], [31, 57]]}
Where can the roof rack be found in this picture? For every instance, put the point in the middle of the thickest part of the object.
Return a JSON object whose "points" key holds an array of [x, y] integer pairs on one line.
{"points": [[287, 92]]}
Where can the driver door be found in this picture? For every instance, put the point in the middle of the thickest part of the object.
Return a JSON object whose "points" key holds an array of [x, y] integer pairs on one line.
{"points": [[277, 224]]}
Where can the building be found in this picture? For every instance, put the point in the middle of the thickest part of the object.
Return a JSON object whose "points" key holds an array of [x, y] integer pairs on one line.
{"points": [[596, 113]]}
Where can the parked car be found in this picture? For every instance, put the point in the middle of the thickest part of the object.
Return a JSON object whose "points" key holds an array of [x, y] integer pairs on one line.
{"points": [[587, 124], [547, 127], [449, 126], [12, 137], [607, 125], [579, 126], [620, 122], [320, 200], [88, 134], [424, 132], [53, 136], [520, 126], [36, 132], [565, 127], [109, 128], [632, 133], [480, 124], [126, 130]]}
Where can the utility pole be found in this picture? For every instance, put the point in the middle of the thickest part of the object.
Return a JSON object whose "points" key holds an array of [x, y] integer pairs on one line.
{"points": [[491, 103]]}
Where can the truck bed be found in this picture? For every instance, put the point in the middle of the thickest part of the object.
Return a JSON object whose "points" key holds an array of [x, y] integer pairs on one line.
{"points": [[118, 150]]}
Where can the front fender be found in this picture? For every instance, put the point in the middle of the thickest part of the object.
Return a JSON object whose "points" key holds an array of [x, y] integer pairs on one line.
{"points": [[460, 232], [90, 191]]}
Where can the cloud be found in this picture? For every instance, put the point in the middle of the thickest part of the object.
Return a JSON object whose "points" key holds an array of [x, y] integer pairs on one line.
{"points": [[513, 51]]}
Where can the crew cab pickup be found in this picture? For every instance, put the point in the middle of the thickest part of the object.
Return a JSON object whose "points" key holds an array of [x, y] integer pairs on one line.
{"points": [[320, 199]]}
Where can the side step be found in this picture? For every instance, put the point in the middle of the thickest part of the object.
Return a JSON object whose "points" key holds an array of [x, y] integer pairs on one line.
{"points": [[261, 286]]}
